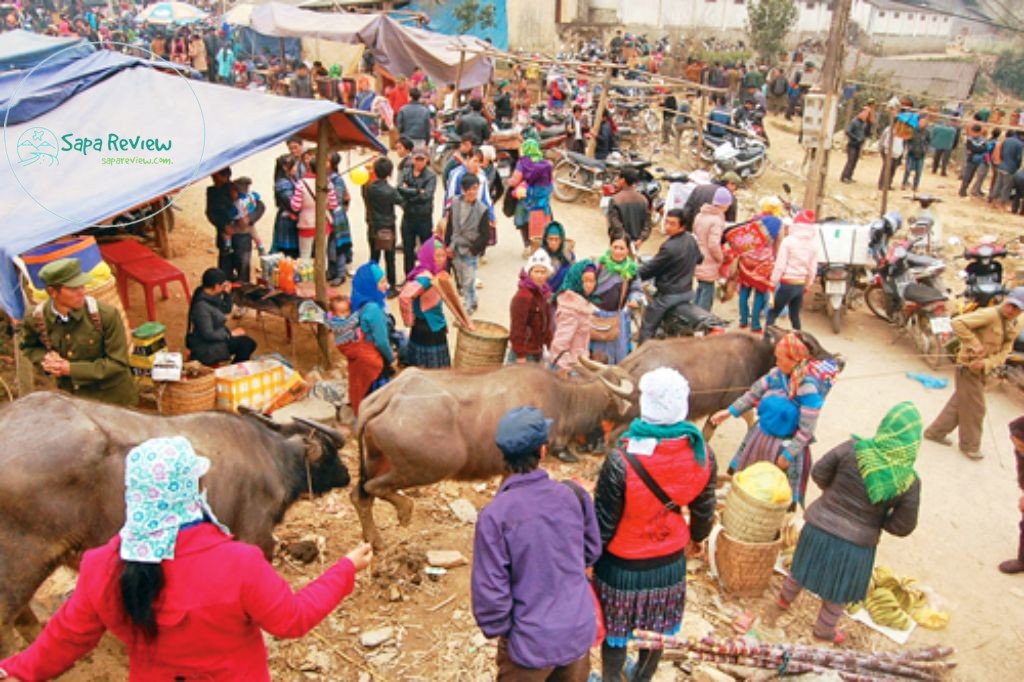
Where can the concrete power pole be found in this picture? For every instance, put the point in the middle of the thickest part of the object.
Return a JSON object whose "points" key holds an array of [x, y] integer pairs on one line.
{"points": [[831, 83]]}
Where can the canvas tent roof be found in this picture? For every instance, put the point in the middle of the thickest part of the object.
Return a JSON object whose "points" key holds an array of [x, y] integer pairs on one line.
{"points": [[56, 183], [23, 49], [398, 48]]}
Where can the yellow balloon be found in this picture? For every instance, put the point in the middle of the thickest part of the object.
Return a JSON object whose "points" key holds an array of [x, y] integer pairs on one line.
{"points": [[360, 175]]}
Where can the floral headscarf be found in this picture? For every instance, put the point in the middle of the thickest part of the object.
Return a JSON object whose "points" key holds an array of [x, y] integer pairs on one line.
{"points": [[161, 491]]}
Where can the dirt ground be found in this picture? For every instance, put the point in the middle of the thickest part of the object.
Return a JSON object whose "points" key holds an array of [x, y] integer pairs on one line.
{"points": [[968, 518]]}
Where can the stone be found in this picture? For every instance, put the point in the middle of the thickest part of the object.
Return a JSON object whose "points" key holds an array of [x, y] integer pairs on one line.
{"points": [[706, 673], [480, 487], [696, 626], [395, 594], [365, 677], [479, 640], [445, 558], [317, 661], [374, 638], [450, 489], [311, 408], [464, 510]]}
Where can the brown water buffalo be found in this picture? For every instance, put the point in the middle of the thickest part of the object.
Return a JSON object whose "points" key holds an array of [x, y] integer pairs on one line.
{"points": [[62, 481], [719, 368], [430, 425]]}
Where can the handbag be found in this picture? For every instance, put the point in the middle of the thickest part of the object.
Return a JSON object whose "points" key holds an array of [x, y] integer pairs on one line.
{"points": [[384, 239], [608, 328], [602, 631]]}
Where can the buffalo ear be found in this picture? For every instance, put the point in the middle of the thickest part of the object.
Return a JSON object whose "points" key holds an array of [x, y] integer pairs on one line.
{"points": [[773, 334], [314, 448]]}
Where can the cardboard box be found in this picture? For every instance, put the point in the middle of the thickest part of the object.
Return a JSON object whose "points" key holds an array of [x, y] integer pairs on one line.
{"points": [[252, 384]]}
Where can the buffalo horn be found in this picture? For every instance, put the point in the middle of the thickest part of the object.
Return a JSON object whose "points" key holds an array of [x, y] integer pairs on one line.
{"points": [[333, 434], [247, 411], [624, 389], [592, 365]]}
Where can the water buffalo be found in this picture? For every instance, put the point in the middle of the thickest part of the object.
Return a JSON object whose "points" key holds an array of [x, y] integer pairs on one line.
{"points": [[719, 368], [62, 481], [428, 426]]}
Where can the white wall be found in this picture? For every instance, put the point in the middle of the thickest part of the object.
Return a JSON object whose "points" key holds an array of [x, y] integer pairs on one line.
{"points": [[531, 24]]}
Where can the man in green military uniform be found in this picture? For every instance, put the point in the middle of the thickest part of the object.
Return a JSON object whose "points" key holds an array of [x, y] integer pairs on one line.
{"points": [[78, 340]]}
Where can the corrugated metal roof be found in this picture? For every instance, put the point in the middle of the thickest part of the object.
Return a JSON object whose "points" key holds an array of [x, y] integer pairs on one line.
{"points": [[936, 78]]}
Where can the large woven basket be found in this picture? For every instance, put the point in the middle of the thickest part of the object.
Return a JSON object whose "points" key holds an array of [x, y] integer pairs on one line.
{"points": [[744, 568], [484, 347], [107, 293], [749, 519], [196, 392]]}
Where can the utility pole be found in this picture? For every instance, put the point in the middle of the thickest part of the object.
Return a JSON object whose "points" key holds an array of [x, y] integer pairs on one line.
{"points": [[602, 104], [831, 82]]}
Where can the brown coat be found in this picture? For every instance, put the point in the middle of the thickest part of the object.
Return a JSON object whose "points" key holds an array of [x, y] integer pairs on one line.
{"points": [[530, 327], [988, 329]]}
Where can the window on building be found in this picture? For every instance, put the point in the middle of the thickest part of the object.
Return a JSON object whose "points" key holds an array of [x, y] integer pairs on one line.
{"points": [[895, 15], [945, 20], [935, 19], [881, 14]]}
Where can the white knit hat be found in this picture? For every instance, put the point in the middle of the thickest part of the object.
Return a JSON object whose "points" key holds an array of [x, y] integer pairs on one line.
{"points": [[539, 259], [664, 396]]}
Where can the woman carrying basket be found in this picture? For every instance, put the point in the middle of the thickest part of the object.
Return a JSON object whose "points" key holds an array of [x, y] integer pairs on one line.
{"points": [[868, 485], [788, 400]]}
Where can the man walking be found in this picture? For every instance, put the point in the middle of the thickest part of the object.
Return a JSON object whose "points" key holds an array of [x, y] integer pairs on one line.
{"points": [[474, 123], [469, 227], [856, 133], [78, 340], [629, 212], [532, 547], [413, 120], [986, 339], [1009, 164], [416, 185]]}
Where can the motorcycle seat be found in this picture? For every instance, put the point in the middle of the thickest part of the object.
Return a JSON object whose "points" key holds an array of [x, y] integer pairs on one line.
{"points": [[695, 317], [920, 293], [552, 131], [584, 160], [917, 260]]}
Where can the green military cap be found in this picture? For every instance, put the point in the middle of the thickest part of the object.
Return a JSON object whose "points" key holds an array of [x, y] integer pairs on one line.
{"points": [[66, 272]]}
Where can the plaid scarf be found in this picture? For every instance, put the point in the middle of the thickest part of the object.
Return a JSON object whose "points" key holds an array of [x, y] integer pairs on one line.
{"points": [[886, 462]]}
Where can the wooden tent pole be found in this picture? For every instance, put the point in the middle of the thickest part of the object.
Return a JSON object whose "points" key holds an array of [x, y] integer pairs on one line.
{"points": [[320, 240], [458, 79], [602, 104]]}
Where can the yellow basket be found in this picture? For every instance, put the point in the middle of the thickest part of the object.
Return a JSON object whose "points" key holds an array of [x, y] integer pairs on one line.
{"points": [[749, 519]]}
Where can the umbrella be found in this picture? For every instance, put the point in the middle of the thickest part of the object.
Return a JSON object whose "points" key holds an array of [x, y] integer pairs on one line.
{"points": [[170, 13]]}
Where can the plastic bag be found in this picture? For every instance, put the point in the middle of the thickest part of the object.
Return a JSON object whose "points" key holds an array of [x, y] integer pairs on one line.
{"points": [[766, 482]]}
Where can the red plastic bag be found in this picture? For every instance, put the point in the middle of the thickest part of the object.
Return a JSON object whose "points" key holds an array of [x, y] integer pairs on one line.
{"points": [[602, 631]]}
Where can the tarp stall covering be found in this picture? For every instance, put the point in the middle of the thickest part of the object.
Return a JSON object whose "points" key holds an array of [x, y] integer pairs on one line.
{"points": [[25, 95], [398, 48], [329, 52], [23, 49], [249, 39], [97, 154]]}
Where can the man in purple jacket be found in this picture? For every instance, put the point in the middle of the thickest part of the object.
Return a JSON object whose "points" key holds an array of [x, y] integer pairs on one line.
{"points": [[533, 545]]}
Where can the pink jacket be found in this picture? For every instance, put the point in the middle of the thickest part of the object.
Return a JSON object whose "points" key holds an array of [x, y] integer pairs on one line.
{"points": [[797, 260], [707, 228], [304, 204], [218, 595], [572, 329]]}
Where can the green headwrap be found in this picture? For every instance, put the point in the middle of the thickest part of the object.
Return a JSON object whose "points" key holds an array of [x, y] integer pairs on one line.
{"points": [[531, 149], [627, 269], [574, 278], [886, 462]]}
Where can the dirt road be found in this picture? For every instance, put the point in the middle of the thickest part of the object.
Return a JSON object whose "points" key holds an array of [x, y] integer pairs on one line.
{"points": [[968, 518]]}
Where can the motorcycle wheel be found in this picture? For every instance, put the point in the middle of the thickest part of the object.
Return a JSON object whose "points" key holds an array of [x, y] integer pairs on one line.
{"points": [[836, 318], [927, 345], [878, 302], [759, 168], [563, 172]]}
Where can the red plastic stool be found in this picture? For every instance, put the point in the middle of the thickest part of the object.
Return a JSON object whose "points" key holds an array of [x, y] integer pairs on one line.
{"points": [[124, 251], [150, 273]]}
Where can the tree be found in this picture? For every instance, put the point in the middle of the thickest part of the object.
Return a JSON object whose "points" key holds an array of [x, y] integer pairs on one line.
{"points": [[768, 22], [1009, 72], [469, 13]]}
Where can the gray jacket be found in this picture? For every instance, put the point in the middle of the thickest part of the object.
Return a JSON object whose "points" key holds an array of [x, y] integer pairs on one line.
{"points": [[844, 509], [414, 121], [208, 332], [469, 227]]}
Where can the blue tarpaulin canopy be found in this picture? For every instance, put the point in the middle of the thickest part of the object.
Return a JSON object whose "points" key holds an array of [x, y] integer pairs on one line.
{"points": [[134, 135], [23, 49]]}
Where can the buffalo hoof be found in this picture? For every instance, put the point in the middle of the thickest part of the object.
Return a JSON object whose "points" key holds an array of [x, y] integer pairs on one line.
{"points": [[403, 506]]}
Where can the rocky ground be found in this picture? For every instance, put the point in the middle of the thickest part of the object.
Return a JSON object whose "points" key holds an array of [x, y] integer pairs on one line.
{"points": [[401, 624]]}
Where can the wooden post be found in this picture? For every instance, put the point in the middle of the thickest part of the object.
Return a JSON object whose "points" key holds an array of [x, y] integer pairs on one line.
{"points": [[320, 241], [458, 79], [849, 109], [602, 104], [700, 123], [284, 56], [22, 366], [887, 166], [831, 81]]}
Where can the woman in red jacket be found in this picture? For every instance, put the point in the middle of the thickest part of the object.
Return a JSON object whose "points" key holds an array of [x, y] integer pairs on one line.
{"points": [[640, 578], [530, 312], [187, 600]]}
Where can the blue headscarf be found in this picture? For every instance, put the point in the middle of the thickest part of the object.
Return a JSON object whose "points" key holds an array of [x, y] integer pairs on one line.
{"points": [[364, 286]]}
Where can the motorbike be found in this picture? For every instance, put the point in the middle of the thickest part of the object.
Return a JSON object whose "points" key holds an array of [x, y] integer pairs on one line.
{"points": [[443, 143], [924, 227], [983, 276], [684, 319], [897, 296], [748, 159], [575, 174]]}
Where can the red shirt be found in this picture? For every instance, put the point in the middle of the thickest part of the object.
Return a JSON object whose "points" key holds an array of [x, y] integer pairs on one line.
{"points": [[398, 97], [218, 594]]}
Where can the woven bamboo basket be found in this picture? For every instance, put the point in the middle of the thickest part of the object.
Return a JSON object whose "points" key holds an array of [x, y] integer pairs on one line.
{"points": [[107, 293], [484, 347], [744, 568], [749, 519], [196, 392]]}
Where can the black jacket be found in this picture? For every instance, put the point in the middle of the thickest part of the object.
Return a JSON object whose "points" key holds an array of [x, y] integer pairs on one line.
{"points": [[208, 332], [503, 107], [474, 124], [606, 142], [857, 131], [380, 199], [844, 509], [673, 266], [704, 194], [610, 499], [418, 192], [629, 212], [413, 121], [218, 205]]}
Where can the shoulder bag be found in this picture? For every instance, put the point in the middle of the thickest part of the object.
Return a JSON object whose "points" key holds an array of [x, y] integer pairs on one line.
{"points": [[651, 484]]}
